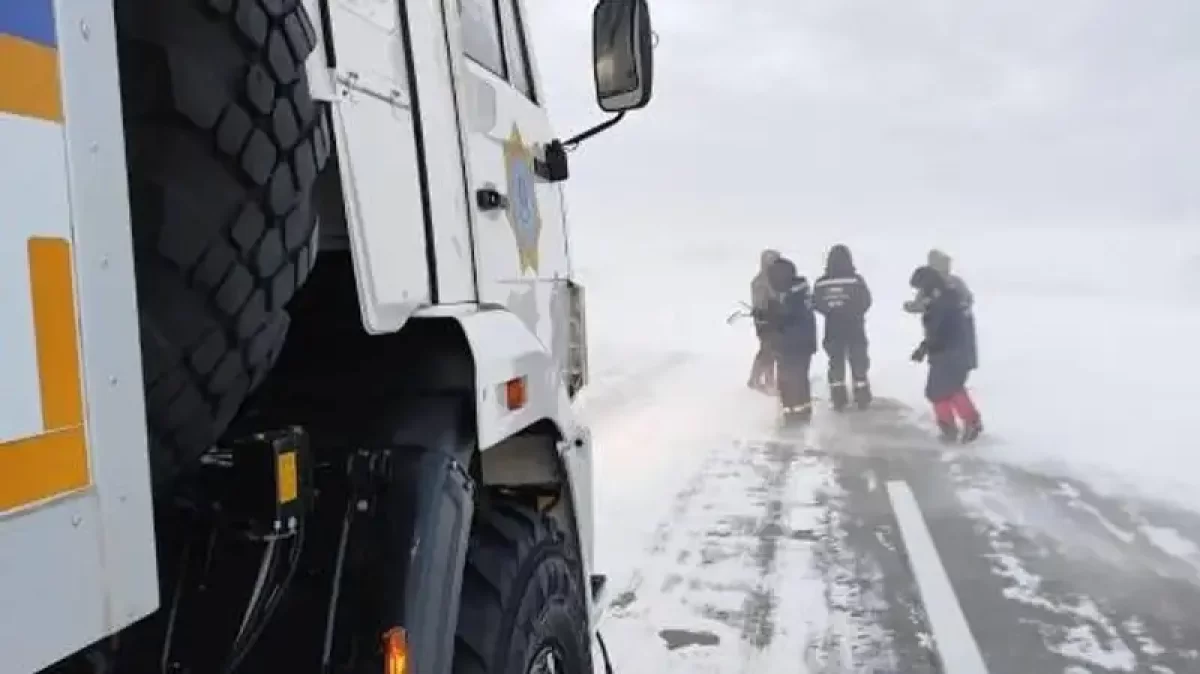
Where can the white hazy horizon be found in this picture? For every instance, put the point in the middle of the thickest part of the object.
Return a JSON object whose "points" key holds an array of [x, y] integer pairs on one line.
{"points": [[870, 115]]}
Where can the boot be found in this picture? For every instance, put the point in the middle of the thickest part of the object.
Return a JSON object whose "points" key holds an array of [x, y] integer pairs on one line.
{"points": [[862, 394], [947, 432], [971, 431], [798, 414], [837, 395]]}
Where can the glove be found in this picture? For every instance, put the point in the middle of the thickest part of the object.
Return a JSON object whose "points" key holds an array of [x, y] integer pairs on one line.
{"points": [[919, 353]]}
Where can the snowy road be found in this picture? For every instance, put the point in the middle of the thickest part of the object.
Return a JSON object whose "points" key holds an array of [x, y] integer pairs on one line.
{"points": [[784, 555]]}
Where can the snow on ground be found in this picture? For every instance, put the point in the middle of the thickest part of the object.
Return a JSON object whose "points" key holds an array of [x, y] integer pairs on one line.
{"points": [[1087, 339], [1085, 351]]}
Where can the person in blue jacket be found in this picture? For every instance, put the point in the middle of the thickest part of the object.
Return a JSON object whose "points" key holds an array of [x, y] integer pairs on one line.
{"points": [[842, 296], [792, 327], [948, 347], [940, 262]]}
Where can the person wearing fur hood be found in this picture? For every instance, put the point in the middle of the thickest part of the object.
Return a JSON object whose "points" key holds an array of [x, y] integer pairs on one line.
{"points": [[762, 370]]}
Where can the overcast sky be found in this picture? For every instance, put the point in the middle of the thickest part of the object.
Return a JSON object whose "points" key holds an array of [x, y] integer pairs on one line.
{"points": [[884, 113]]}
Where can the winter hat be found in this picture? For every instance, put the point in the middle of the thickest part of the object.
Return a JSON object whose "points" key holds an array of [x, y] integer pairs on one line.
{"points": [[839, 260], [781, 274], [768, 256], [939, 261], [927, 279]]}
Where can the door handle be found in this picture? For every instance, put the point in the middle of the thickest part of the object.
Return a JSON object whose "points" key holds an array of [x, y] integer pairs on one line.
{"points": [[490, 199]]}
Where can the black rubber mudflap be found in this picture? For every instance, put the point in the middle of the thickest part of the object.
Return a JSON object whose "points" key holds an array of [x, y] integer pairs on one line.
{"points": [[224, 145]]}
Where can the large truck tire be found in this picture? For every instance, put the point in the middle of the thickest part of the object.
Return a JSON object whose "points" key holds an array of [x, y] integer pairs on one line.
{"points": [[224, 144], [523, 609]]}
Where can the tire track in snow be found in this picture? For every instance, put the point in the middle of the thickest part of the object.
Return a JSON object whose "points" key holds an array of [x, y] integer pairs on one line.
{"points": [[877, 624], [729, 584], [665, 530], [758, 628]]}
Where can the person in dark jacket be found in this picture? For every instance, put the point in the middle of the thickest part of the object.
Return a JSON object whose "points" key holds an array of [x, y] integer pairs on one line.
{"points": [[941, 263], [842, 296], [792, 326], [762, 371], [947, 347]]}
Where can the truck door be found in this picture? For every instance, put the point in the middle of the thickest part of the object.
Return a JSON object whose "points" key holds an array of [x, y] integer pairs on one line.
{"points": [[518, 219], [399, 155]]}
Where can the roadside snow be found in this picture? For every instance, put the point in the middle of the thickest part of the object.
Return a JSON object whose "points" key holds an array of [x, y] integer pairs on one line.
{"points": [[1086, 338], [1085, 354], [727, 581]]}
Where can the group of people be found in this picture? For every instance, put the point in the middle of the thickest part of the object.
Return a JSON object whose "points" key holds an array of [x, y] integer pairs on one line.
{"points": [[785, 309]]}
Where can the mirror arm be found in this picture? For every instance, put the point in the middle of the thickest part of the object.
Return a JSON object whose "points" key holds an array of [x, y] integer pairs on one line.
{"points": [[574, 141]]}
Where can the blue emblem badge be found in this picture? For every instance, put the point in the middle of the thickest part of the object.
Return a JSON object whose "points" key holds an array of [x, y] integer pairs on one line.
{"points": [[523, 215]]}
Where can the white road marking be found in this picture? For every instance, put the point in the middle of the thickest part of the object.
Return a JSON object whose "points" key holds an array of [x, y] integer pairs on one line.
{"points": [[951, 634]]}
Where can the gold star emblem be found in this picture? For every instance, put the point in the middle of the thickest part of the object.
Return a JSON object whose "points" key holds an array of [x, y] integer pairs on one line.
{"points": [[523, 215]]}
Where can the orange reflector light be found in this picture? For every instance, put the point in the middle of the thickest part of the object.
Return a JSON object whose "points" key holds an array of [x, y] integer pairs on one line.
{"points": [[395, 651], [515, 395]]}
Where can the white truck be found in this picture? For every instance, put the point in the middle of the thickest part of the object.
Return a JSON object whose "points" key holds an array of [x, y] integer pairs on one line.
{"points": [[290, 338]]}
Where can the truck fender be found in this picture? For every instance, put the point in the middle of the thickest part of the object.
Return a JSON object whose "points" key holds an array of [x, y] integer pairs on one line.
{"points": [[503, 348], [425, 521]]}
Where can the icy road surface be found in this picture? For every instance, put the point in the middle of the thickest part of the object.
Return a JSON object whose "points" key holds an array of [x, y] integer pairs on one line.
{"points": [[783, 553], [1069, 537]]}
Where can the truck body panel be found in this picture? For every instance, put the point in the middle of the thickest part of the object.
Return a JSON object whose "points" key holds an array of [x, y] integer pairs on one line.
{"points": [[396, 120], [515, 256], [437, 49], [440, 141], [75, 506], [380, 160], [521, 249]]}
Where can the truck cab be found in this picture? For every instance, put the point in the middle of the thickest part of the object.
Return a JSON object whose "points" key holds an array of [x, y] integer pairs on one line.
{"points": [[292, 338]]}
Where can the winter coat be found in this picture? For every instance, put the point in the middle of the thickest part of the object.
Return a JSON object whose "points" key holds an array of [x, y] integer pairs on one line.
{"points": [[789, 317], [760, 290], [941, 263], [949, 344], [843, 297], [946, 327]]}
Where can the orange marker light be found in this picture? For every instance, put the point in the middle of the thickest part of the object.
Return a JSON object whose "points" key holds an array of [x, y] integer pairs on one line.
{"points": [[515, 393], [395, 651]]}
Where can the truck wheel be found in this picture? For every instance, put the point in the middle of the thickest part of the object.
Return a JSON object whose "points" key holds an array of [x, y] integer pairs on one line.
{"points": [[523, 608], [223, 144]]}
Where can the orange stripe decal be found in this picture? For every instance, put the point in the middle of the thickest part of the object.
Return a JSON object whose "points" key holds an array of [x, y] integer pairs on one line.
{"points": [[29, 84], [56, 461], [50, 278], [41, 467]]}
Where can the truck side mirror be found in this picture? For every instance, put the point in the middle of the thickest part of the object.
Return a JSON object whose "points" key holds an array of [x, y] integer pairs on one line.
{"points": [[622, 54]]}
